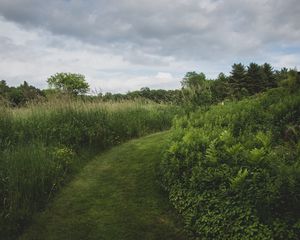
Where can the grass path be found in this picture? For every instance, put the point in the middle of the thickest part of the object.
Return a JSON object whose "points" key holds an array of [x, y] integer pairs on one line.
{"points": [[116, 196]]}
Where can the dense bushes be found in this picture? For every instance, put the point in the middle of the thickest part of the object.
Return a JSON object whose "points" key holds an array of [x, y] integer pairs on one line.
{"points": [[41, 144], [19, 96], [233, 172]]}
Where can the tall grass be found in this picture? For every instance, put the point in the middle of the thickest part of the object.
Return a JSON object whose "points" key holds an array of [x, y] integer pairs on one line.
{"points": [[41, 144]]}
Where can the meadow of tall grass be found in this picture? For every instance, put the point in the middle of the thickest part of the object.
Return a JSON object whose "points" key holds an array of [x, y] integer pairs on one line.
{"points": [[43, 143]]}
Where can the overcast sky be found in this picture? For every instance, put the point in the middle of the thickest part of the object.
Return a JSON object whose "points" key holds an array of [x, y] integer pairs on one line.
{"points": [[122, 45]]}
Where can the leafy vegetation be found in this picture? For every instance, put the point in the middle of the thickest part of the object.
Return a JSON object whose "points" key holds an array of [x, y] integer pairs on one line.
{"points": [[197, 90], [71, 83], [18, 96], [42, 144], [145, 93], [242, 82], [233, 171]]}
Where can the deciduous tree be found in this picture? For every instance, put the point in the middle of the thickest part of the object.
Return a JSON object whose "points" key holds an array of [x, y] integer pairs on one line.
{"points": [[71, 83]]}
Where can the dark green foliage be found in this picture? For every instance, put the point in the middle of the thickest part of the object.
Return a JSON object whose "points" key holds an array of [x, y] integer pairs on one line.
{"points": [[260, 78], [21, 95], [146, 94], [242, 82], [251, 80], [233, 171], [254, 79], [268, 76], [220, 88], [3, 88], [238, 80]]}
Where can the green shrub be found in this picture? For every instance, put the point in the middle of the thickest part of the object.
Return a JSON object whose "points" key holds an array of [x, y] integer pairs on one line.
{"points": [[233, 171]]}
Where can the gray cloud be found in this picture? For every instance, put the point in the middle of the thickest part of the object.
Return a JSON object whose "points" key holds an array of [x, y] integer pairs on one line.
{"points": [[184, 28], [167, 35]]}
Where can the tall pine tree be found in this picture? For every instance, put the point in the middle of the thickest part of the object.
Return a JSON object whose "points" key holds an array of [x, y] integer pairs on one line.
{"points": [[255, 82], [237, 80], [269, 78]]}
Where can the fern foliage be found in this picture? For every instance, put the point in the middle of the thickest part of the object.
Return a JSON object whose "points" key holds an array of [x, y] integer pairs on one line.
{"points": [[233, 171]]}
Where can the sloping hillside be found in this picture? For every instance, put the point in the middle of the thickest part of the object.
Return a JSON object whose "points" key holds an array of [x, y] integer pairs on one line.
{"points": [[233, 172]]}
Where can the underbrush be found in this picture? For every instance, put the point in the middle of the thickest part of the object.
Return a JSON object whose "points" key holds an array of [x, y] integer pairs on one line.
{"points": [[41, 145], [233, 171]]}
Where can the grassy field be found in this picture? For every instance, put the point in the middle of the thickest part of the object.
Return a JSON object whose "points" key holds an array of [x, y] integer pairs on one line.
{"points": [[116, 196], [41, 145]]}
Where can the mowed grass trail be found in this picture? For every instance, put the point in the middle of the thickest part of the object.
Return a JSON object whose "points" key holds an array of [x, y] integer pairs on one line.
{"points": [[116, 196]]}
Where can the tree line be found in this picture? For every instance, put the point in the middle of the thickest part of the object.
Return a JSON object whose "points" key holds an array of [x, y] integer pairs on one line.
{"points": [[20, 95], [196, 88], [243, 81]]}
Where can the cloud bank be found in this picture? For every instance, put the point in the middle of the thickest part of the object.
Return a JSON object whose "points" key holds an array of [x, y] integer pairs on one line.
{"points": [[122, 45]]}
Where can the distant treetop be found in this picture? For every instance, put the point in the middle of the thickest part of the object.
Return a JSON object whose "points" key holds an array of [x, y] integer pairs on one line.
{"points": [[71, 83]]}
